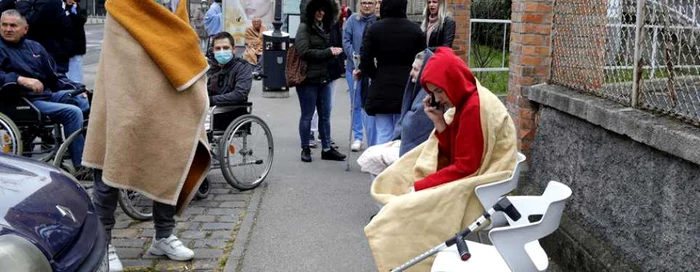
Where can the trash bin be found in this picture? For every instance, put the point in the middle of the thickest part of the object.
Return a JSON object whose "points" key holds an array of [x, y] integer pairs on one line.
{"points": [[274, 62]]}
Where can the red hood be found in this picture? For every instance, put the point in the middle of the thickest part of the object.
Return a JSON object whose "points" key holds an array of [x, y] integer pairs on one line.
{"points": [[447, 71]]}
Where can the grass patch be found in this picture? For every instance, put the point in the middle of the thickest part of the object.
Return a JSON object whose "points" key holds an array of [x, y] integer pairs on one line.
{"points": [[486, 57]]}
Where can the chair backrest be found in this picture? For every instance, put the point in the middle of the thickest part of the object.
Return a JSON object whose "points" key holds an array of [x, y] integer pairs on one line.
{"points": [[489, 194], [518, 243]]}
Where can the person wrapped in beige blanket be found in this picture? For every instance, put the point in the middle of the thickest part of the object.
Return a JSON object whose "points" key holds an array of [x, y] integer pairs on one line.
{"points": [[254, 41], [474, 143], [146, 129]]}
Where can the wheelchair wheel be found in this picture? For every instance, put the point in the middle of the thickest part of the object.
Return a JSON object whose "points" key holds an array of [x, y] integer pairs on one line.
{"points": [[10, 136], [135, 205], [204, 189], [245, 152], [63, 160]]}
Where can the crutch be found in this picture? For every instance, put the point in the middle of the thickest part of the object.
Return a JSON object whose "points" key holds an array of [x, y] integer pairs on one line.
{"points": [[502, 205], [356, 63]]}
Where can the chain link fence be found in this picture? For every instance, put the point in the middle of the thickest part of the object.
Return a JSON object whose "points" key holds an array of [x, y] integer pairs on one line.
{"points": [[640, 53]]}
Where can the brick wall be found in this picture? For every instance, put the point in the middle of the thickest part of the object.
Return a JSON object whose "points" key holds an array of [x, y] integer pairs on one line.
{"points": [[461, 11], [530, 60]]}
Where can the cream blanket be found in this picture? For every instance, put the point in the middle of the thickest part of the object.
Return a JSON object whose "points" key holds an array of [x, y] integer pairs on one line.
{"points": [[146, 129], [410, 224]]}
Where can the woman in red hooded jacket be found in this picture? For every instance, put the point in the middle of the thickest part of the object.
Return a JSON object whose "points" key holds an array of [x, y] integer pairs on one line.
{"points": [[461, 143]]}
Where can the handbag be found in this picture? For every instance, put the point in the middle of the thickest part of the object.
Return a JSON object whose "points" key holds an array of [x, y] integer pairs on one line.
{"points": [[295, 71]]}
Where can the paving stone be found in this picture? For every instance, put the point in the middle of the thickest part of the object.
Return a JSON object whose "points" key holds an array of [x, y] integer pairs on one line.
{"points": [[122, 224], [228, 218], [191, 234], [149, 233], [209, 243], [183, 218], [220, 235], [136, 263], [125, 233], [143, 225], [208, 254], [204, 203], [232, 197], [206, 264], [204, 218], [221, 191], [170, 265], [137, 243], [217, 226], [223, 211], [194, 225], [194, 211], [234, 204], [182, 225], [129, 253]]}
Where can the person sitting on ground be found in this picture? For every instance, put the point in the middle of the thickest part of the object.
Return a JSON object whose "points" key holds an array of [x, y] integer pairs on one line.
{"points": [[230, 77], [254, 41], [27, 69]]}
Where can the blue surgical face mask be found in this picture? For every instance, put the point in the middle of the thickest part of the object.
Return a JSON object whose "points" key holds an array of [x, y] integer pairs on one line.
{"points": [[223, 56]]}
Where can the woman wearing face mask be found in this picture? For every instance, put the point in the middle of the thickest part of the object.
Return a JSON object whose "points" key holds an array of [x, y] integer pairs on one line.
{"points": [[438, 25], [314, 46], [229, 77]]}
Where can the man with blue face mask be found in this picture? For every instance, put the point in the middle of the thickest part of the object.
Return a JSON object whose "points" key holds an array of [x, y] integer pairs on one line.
{"points": [[230, 77]]}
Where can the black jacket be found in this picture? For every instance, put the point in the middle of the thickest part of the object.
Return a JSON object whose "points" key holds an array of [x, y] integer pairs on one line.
{"points": [[443, 36], [28, 58], [6, 4], [75, 35], [394, 42], [48, 25], [230, 83], [336, 67], [313, 42]]}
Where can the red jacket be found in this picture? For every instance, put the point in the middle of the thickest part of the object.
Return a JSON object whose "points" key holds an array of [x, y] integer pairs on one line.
{"points": [[462, 142]]}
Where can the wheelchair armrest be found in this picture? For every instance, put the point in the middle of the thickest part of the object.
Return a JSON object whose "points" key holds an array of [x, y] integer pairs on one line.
{"points": [[243, 104]]}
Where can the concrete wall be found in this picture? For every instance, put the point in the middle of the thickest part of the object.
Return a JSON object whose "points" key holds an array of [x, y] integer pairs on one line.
{"points": [[635, 179]]}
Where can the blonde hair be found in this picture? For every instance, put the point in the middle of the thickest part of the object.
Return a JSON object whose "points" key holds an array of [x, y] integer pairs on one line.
{"points": [[442, 14]]}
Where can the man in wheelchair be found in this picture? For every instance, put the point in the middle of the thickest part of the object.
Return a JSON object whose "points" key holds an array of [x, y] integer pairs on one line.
{"points": [[229, 77], [27, 70]]}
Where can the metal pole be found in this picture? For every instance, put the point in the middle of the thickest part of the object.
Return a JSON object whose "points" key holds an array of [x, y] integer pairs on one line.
{"points": [[469, 49], [654, 48], [638, 44], [503, 60]]}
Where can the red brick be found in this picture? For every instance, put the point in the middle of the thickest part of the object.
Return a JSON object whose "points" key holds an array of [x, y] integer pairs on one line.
{"points": [[530, 50], [533, 39], [538, 7], [535, 18], [529, 60]]}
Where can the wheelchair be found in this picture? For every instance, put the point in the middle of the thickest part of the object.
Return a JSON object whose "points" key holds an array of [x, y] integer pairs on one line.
{"points": [[241, 146], [24, 131]]}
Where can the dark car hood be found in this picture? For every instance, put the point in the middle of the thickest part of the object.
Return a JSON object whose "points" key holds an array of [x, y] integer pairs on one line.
{"points": [[40, 203]]}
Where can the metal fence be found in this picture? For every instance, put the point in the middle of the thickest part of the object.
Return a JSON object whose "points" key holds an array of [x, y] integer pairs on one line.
{"points": [[95, 8], [641, 53]]}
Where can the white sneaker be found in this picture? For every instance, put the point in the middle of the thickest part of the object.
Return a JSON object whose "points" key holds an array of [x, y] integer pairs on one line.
{"points": [[356, 146], [171, 247], [115, 265]]}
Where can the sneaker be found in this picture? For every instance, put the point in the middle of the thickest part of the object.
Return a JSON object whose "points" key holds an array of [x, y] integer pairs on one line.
{"points": [[171, 247], [356, 146], [332, 155], [114, 263], [306, 154]]}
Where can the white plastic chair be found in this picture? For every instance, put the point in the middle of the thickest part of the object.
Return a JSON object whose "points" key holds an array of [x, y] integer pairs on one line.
{"points": [[515, 247], [489, 194]]}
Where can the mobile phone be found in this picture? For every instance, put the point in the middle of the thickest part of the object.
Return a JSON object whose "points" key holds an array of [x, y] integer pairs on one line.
{"points": [[433, 103]]}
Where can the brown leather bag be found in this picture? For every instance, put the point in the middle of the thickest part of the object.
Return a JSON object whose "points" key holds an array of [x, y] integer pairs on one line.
{"points": [[295, 71]]}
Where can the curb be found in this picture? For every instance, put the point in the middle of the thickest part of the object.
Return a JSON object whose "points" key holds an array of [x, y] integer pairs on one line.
{"points": [[95, 21], [243, 235]]}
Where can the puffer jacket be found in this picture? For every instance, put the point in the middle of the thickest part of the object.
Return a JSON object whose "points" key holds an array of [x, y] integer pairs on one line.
{"points": [[312, 41], [394, 42]]}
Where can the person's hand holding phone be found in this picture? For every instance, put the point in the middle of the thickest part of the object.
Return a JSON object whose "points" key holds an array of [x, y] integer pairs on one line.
{"points": [[432, 109]]}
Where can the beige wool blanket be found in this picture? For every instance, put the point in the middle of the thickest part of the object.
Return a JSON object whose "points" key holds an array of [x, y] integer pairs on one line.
{"points": [[412, 223], [146, 129]]}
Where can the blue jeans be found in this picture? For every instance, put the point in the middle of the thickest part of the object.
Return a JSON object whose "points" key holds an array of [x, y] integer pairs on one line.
{"points": [[315, 97], [370, 129], [69, 112], [383, 126], [75, 69], [358, 114]]}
